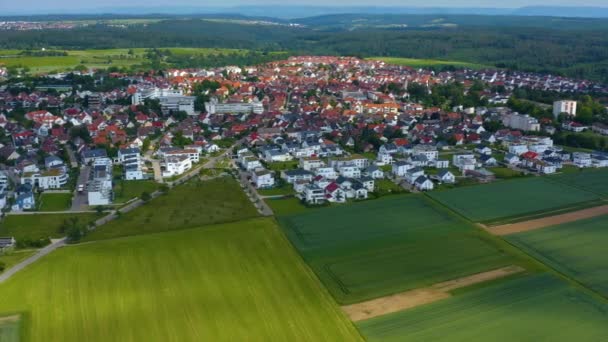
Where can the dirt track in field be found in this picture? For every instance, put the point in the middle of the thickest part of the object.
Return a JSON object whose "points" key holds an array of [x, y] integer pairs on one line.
{"points": [[410, 299], [525, 226], [9, 319]]}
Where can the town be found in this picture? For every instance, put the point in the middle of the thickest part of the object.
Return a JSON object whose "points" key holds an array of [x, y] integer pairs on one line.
{"points": [[322, 129]]}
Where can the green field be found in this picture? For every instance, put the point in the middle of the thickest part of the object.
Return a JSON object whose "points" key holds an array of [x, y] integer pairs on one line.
{"points": [[94, 58], [512, 199], [11, 258], [125, 191], [576, 249], [39, 226], [230, 282], [426, 63], [376, 248], [55, 201], [595, 181], [534, 308], [286, 206], [193, 204]]}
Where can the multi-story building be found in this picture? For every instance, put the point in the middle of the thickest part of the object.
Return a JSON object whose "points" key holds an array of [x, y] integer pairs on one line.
{"points": [[565, 106], [521, 122], [214, 107], [176, 165], [99, 188]]}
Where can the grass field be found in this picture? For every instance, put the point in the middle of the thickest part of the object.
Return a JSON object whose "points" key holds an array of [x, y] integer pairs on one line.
{"points": [[11, 258], [231, 282], [125, 191], [193, 204], [576, 249], [376, 248], [512, 199], [286, 206], [425, 63], [591, 180], [534, 308], [100, 58], [55, 201], [36, 227]]}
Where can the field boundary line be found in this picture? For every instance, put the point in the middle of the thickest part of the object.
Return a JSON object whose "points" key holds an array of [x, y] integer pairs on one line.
{"points": [[413, 298], [519, 227]]}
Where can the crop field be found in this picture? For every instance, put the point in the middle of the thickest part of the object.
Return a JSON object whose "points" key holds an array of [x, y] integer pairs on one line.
{"points": [[231, 282], [502, 201], [95, 58], [577, 249], [376, 248], [40, 226], [591, 180], [193, 204], [9, 259], [55, 201], [425, 63], [534, 308]]}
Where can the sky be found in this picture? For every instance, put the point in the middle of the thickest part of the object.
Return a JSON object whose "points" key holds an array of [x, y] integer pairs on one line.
{"points": [[74, 6]]}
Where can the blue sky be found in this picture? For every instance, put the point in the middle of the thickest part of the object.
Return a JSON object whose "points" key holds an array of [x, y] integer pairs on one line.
{"points": [[37, 6]]}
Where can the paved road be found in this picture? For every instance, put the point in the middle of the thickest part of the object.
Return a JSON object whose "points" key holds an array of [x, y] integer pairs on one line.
{"points": [[42, 252], [253, 194], [80, 200], [71, 155]]}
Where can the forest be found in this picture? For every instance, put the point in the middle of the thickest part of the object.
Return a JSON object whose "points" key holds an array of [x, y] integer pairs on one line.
{"points": [[578, 53]]}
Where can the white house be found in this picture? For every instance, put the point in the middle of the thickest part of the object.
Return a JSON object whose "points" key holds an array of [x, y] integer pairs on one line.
{"points": [[518, 149], [442, 164], [349, 171], [310, 164], [582, 159], [445, 176], [176, 165], [374, 172], [400, 168], [291, 176], [326, 172], [262, 179], [422, 183]]}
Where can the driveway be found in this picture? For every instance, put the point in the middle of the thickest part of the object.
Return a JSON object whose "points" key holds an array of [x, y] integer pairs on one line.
{"points": [[80, 200]]}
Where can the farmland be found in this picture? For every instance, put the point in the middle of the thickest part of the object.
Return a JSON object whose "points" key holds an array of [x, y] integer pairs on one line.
{"points": [[14, 257], [590, 180], [376, 248], [37, 227], [576, 249], [193, 204], [427, 63], [100, 58], [234, 282], [505, 201], [533, 308]]}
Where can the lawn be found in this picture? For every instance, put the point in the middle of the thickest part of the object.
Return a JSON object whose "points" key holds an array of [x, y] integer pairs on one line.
{"points": [[534, 308], [505, 172], [576, 249], [286, 206], [55, 201], [508, 200], [39, 226], [426, 63], [125, 191], [595, 180], [193, 204], [376, 248], [231, 282]]}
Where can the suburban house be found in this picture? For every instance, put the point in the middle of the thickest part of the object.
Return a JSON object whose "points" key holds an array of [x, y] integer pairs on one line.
{"points": [[131, 162], [445, 176], [422, 183], [291, 176], [262, 179], [176, 165], [7, 243], [582, 159], [400, 168], [373, 172]]}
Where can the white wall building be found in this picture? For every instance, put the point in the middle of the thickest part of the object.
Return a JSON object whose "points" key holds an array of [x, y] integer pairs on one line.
{"points": [[565, 106], [521, 122]]}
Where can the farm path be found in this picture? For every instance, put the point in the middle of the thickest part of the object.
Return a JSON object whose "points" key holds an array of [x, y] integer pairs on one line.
{"points": [[413, 298], [525, 226], [23, 264]]}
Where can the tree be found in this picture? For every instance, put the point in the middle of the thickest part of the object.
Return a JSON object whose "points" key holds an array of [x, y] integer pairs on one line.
{"points": [[2, 266], [145, 196], [99, 209]]}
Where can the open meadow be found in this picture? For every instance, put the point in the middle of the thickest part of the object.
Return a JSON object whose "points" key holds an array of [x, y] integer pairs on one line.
{"points": [[427, 63], [10, 328], [94, 58], [376, 248], [38, 226], [595, 181], [505, 201], [193, 204], [230, 282], [125, 191], [576, 249], [534, 308]]}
